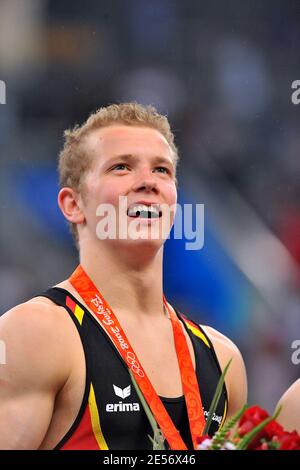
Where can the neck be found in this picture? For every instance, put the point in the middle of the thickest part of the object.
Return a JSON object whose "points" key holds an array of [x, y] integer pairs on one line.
{"points": [[129, 280]]}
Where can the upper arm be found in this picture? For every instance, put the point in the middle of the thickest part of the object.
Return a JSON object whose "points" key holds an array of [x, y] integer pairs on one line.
{"points": [[289, 416], [30, 377], [236, 378]]}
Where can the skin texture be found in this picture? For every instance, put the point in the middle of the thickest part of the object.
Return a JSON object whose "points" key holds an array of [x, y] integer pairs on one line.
{"points": [[289, 416], [42, 383]]}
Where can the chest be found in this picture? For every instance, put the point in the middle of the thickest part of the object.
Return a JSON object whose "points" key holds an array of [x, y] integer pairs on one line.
{"points": [[115, 400], [155, 348]]}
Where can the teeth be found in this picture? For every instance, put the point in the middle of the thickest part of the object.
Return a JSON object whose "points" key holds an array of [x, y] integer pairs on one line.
{"points": [[141, 210]]}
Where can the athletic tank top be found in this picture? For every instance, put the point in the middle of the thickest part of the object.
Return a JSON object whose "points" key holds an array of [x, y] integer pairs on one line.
{"points": [[111, 415]]}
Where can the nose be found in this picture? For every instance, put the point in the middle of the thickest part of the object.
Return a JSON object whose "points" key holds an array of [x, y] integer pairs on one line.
{"points": [[146, 182]]}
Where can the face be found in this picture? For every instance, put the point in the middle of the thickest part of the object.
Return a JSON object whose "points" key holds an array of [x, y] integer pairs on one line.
{"points": [[134, 163]]}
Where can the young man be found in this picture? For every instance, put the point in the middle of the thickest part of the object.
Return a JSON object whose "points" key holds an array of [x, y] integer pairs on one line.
{"points": [[66, 383]]}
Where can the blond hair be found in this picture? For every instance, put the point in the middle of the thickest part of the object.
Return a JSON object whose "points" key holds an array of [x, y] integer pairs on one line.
{"points": [[74, 160]]}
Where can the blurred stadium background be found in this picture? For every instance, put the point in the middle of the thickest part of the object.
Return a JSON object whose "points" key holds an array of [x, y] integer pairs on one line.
{"points": [[222, 71]]}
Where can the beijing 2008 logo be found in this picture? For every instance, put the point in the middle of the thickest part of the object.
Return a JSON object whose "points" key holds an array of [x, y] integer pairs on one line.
{"points": [[134, 365]]}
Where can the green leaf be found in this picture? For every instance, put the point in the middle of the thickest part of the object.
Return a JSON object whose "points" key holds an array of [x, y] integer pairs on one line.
{"points": [[216, 399], [221, 435], [158, 437]]}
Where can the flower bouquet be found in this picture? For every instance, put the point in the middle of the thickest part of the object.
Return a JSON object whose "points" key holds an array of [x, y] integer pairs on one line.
{"points": [[250, 429], [256, 431]]}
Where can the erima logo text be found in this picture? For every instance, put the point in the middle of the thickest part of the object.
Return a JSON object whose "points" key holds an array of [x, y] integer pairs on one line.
{"points": [[113, 407], [121, 407]]}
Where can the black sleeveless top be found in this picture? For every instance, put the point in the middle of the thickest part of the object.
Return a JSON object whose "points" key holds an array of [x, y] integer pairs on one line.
{"points": [[111, 415]]}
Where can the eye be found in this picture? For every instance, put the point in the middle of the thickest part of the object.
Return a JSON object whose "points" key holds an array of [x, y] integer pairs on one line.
{"points": [[163, 168], [120, 166]]}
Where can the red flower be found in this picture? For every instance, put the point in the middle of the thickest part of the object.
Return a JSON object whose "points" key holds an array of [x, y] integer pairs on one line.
{"points": [[251, 418], [289, 441], [272, 429]]}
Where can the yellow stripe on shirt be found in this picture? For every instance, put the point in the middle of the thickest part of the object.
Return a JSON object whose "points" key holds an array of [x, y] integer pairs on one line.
{"points": [[96, 420]]}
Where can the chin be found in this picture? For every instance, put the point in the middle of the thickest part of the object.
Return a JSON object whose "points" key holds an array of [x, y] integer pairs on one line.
{"points": [[141, 245], [155, 243]]}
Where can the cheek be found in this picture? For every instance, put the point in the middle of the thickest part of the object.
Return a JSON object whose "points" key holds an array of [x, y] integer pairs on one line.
{"points": [[110, 196], [104, 194], [172, 194], [171, 199]]}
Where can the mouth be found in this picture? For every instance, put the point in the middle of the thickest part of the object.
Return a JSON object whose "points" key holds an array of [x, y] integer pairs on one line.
{"points": [[143, 211]]}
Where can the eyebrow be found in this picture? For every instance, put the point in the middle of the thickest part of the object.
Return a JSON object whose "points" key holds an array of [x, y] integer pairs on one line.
{"points": [[131, 157]]}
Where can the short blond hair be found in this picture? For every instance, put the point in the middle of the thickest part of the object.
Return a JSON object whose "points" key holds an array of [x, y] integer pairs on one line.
{"points": [[74, 160]]}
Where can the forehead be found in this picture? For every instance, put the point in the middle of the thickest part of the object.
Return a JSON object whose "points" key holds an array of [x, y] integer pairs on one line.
{"points": [[120, 139]]}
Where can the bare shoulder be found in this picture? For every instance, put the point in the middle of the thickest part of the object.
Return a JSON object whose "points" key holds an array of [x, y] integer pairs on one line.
{"points": [[37, 313], [37, 366], [38, 310], [222, 344], [236, 379], [290, 399], [289, 416], [34, 334], [293, 391]]}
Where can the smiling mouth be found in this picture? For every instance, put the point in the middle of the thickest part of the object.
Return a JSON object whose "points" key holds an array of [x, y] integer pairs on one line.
{"points": [[144, 212]]}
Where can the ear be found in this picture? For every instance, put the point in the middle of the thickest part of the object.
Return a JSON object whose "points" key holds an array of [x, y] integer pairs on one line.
{"points": [[70, 204]]}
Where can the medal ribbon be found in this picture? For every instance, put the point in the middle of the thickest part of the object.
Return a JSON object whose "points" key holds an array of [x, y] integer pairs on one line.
{"points": [[94, 300]]}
